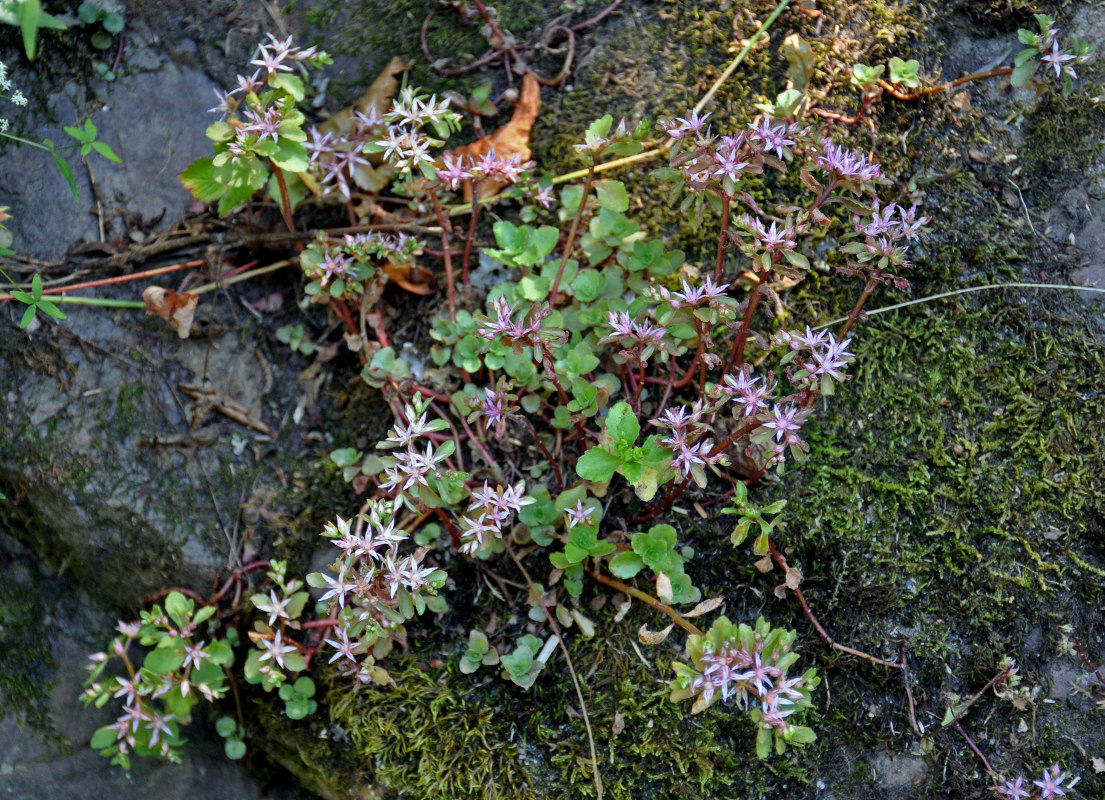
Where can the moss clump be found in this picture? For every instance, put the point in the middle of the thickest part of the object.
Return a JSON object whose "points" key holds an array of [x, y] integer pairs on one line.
{"points": [[439, 734], [27, 663]]}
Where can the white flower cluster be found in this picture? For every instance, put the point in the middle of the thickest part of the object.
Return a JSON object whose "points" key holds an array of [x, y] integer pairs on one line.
{"points": [[15, 96]]}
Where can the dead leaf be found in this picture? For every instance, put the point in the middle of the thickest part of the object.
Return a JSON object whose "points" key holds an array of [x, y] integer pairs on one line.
{"points": [[623, 604], [977, 155], [511, 139], [663, 588], [176, 308], [764, 564], [619, 724], [793, 578], [412, 278], [800, 58], [1052, 533], [653, 637], [961, 101], [705, 607], [225, 405], [1098, 764], [370, 178]]}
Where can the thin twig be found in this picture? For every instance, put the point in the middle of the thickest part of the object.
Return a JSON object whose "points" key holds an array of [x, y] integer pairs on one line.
{"points": [[969, 290], [971, 744], [571, 670], [775, 554], [647, 599], [974, 698]]}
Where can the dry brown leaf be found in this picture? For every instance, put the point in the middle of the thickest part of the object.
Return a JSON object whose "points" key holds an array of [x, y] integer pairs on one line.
{"points": [[176, 308], [622, 603], [663, 588], [619, 724], [653, 637], [705, 607], [411, 277], [793, 578], [370, 178], [511, 139]]}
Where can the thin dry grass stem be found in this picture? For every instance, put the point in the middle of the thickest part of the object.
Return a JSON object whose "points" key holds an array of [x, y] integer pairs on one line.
{"points": [[571, 671]]}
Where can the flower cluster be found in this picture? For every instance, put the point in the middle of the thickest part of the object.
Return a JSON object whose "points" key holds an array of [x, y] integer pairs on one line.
{"points": [[638, 340], [404, 142], [342, 266], [373, 589], [495, 406], [849, 166], [157, 695], [886, 235], [1047, 788], [411, 469], [693, 451], [339, 158], [461, 169], [748, 665], [266, 115], [719, 163], [529, 331], [490, 510], [15, 96]]}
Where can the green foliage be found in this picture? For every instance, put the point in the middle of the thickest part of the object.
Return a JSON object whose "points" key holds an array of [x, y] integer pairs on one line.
{"points": [[385, 366], [30, 18], [479, 653], [904, 73], [108, 23], [296, 338], [297, 697], [645, 467], [866, 77], [752, 515], [522, 245], [522, 666], [657, 549], [233, 733], [35, 302]]}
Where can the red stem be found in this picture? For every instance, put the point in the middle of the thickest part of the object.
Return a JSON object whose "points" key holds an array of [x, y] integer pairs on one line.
{"points": [[722, 236], [447, 256], [119, 278], [471, 237]]}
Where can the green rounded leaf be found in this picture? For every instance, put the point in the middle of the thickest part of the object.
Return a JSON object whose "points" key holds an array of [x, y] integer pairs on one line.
{"points": [[234, 749]]}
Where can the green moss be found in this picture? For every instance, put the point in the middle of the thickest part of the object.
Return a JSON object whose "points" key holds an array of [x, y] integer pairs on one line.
{"points": [[26, 660], [440, 734]]}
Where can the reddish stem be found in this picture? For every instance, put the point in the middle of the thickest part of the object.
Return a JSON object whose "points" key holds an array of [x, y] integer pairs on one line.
{"points": [[736, 354], [782, 562], [286, 203], [648, 599], [471, 237], [447, 256], [971, 744], [723, 236], [119, 278]]}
